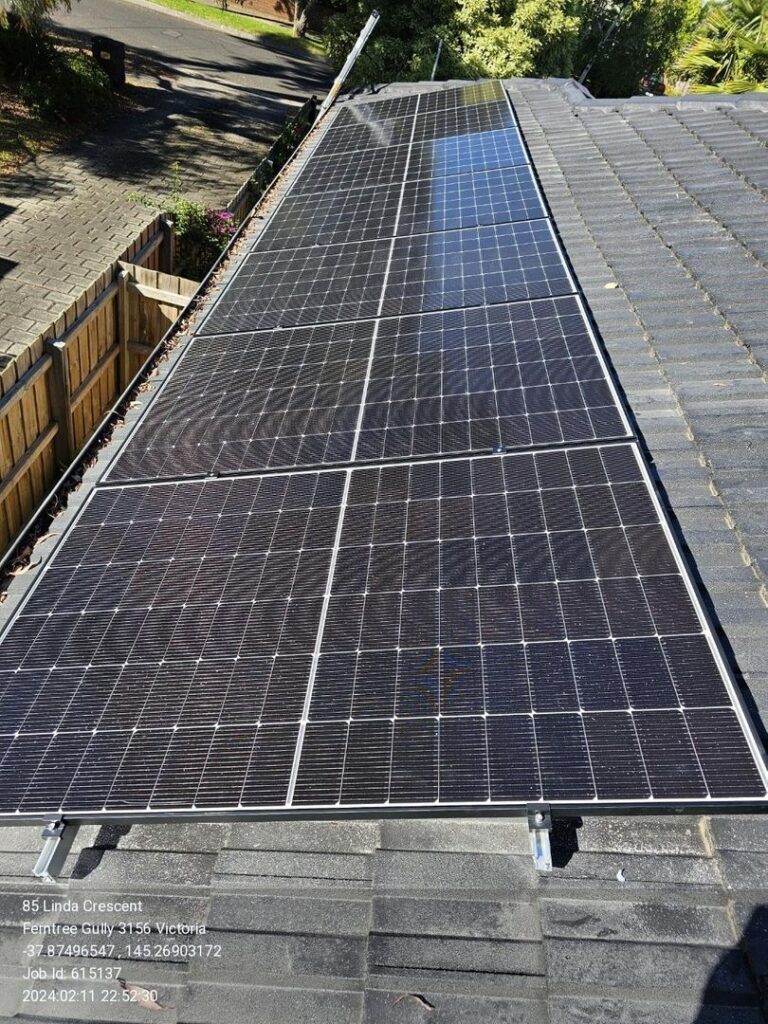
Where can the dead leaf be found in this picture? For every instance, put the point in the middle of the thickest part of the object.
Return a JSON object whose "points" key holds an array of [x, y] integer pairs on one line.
{"points": [[417, 998], [611, 284], [140, 996], [25, 568]]}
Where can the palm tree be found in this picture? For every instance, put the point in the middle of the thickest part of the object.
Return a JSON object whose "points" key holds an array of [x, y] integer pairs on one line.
{"points": [[729, 49]]}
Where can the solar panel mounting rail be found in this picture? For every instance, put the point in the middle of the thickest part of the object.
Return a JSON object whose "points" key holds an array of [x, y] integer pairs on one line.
{"points": [[384, 542]]}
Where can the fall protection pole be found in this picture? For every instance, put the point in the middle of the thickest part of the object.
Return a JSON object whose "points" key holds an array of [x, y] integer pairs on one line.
{"points": [[437, 59], [349, 63]]}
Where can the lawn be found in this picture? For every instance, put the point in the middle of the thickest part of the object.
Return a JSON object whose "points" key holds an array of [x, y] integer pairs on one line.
{"points": [[242, 22]]}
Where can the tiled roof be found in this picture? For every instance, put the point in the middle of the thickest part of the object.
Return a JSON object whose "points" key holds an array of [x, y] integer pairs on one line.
{"points": [[662, 208]]}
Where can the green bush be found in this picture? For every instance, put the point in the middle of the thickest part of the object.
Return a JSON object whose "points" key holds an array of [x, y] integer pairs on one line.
{"points": [[23, 53], [201, 233], [72, 86]]}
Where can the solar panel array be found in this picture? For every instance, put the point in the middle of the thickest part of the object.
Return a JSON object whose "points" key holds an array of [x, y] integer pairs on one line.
{"points": [[383, 539]]}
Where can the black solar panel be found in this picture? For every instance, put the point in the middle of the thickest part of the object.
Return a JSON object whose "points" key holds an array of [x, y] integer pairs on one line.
{"points": [[344, 171], [176, 620], [514, 629], [468, 200], [486, 117], [375, 111], [353, 215], [371, 135], [474, 267], [291, 287], [506, 376], [497, 630], [255, 401]]}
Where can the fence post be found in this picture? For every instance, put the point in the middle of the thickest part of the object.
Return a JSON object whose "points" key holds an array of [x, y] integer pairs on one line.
{"points": [[61, 401], [124, 327], [168, 246]]}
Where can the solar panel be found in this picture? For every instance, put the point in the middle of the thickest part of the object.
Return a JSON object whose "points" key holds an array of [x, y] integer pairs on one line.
{"points": [[371, 135], [170, 613], [474, 267], [506, 376], [255, 401], [375, 111], [462, 96], [486, 117], [514, 629], [353, 215], [425, 627], [291, 287], [497, 196], [465, 154], [343, 171], [497, 630]]}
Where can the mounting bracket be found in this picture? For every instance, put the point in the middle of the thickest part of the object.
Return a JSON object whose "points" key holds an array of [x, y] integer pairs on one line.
{"points": [[58, 837], [539, 827]]}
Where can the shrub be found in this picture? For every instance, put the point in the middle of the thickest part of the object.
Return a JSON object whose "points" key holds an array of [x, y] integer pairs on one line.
{"points": [[201, 233], [73, 85]]}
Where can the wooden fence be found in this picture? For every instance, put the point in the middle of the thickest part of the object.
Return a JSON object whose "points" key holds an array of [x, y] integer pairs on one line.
{"points": [[55, 394]]}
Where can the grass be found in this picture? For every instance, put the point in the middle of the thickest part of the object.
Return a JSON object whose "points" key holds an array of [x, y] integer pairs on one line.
{"points": [[242, 22]]}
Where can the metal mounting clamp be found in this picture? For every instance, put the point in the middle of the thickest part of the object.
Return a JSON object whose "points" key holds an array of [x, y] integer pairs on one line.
{"points": [[58, 837], [539, 827]]}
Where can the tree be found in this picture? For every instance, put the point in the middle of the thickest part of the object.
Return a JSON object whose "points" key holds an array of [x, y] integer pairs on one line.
{"points": [[403, 44], [647, 38], [517, 37], [729, 49], [301, 10], [29, 14]]}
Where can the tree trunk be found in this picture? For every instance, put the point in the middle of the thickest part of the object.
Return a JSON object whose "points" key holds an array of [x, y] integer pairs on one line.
{"points": [[300, 12]]}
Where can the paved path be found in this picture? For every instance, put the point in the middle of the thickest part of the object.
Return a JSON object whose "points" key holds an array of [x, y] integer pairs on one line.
{"points": [[206, 100]]}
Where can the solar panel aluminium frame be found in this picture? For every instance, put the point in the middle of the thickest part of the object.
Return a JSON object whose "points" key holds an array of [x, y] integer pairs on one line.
{"points": [[559, 807]]}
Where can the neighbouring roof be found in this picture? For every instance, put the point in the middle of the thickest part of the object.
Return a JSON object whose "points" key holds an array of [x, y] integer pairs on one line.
{"points": [[662, 207]]}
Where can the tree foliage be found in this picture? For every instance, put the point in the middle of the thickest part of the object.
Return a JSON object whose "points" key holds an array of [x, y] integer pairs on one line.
{"points": [[504, 38], [517, 37], [647, 38], [29, 14], [729, 49], [403, 45]]}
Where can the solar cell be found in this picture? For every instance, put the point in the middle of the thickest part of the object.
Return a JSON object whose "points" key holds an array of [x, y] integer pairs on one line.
{"points": [[265, 400], [475, 266], [291, 287], [467, 200]]}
